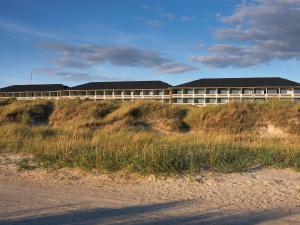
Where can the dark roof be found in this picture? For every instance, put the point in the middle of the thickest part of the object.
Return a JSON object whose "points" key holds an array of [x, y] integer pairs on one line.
{"points": [[122, 85], [34, 87], [241, 82]]}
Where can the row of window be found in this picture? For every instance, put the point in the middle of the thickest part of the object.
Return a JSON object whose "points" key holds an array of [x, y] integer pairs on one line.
{"points": [[236, 91], [153, 92], [116, 92], [89, 93], [30, 94], [219, 100]]}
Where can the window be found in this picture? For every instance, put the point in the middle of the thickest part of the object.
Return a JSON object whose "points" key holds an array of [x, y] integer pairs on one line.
{"points": [[91, 93], [178, 100], [199, 91], [30, 94], [235, 91], [188, 91], [259, 91], [99, 92], [283, 91], [211, 91], [53, 94], [44, 94], [222, 100], [118, 92], [137, 92], [73, 93], [211, 100], [297, 100], [177, 91], [199, 100], [127, 92], [166, 92], [272, 91], [63, 93], [2, 94], [223, 91], [81, 93], [188, 100], [146, 92], [158, 92], [108, 92], [248, 91]]}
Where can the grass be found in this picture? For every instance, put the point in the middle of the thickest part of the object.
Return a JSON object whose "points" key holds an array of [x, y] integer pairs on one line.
{"points": [[149, 137], [25, 165]]}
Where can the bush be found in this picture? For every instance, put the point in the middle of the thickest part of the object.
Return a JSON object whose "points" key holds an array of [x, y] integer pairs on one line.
{"points": [[31, 113]]}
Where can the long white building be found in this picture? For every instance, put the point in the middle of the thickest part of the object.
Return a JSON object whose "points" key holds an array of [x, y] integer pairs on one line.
{"points": [[223, 90], [198, 92]]}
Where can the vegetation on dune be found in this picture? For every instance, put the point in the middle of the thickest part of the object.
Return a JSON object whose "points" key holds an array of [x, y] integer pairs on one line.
{"points": [[234, 117], [26, 112], [150, 137], [240, 117]]}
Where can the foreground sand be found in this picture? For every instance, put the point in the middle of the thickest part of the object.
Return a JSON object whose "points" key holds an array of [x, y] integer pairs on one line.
{"points": [[267, 196]]}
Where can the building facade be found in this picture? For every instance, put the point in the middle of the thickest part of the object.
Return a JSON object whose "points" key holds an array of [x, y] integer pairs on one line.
{"points": [[223, 90], [198, 92]]}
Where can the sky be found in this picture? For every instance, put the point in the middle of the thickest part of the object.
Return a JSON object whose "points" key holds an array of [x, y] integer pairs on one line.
{"points": [[74, 42]]}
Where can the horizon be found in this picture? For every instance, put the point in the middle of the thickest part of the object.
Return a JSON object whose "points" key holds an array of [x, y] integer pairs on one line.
{"points": [[171, 41]]}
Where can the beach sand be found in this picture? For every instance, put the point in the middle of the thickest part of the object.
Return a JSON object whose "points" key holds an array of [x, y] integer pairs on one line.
{"points": [[73, 196]]}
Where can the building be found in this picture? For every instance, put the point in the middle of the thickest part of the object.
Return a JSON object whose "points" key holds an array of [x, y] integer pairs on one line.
{"points": [[121, 90], [34, 91], [198, 92], [223, 90]]}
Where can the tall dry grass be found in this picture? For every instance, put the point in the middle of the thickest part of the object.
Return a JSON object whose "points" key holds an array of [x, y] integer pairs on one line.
{"points": [[148, 137]]}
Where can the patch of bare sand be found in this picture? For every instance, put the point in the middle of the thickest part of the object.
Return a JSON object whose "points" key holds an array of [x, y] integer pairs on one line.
{"points": [[272, 131], [72, 196]]}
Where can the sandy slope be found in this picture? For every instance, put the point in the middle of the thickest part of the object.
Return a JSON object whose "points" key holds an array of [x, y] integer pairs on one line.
{"points": [[268, 196]]}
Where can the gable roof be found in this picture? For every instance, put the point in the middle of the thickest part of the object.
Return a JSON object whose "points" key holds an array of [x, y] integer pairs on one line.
{"points": [[241, 82], [34, 87], [122, 85]]}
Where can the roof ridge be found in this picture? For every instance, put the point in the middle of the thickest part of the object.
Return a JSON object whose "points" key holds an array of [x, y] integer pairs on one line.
{"points": [[114, 81], [239, 78], [240, 81], [34, 84]]}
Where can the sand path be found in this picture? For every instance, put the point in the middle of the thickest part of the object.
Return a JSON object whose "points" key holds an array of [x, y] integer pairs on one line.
{"points": [[68, 196]]}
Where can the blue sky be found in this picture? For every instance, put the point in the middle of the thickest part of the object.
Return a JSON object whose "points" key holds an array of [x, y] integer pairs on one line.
{"points": [[74, 42]]}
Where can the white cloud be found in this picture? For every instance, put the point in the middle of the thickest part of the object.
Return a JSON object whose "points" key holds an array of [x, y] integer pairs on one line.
{"points": [[154, 23], [175, 68], [85, 56], [264, 30], [74, 76], [187, 18], [146, 7]]}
